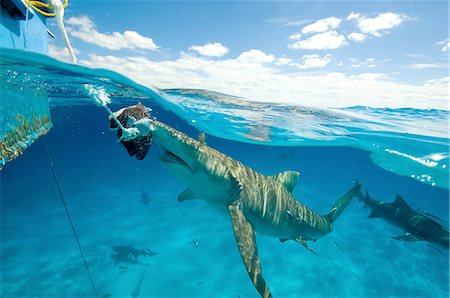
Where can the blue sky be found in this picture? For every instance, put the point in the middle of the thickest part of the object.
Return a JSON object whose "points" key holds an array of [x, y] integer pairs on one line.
{"points": [[314, 53]]}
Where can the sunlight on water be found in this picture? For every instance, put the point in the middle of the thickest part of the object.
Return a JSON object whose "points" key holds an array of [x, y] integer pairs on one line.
{"points": [[425, 162]]}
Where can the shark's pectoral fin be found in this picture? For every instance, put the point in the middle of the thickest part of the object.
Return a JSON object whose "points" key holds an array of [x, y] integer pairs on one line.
{"points": [[302, 241], [373, 215], [282, 240], [186, 195], [245, 238], [408, 237]]}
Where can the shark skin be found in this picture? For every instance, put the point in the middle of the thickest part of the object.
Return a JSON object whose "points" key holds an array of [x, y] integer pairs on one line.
{"points": [[417, 226], [254, 202]]}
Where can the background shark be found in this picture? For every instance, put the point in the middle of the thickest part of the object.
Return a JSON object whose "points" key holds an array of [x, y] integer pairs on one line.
{"points": [[129, 254], [253, 201], [418, 227]]}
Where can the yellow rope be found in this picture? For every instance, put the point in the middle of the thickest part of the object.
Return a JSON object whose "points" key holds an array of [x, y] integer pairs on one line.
{"points": [[36, 4]]}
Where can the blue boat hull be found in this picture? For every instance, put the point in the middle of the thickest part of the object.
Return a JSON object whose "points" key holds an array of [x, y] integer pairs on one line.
{"points": [[18, 33]]}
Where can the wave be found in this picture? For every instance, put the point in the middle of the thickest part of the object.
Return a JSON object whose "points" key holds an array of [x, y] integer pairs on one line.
{"points": [[409, 142]]}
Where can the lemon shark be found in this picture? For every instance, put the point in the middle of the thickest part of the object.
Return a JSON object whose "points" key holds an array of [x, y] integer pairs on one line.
{"points": [[417, 226], [254, 202]]}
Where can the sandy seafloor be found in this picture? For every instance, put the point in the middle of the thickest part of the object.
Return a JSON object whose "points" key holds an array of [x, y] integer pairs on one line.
{"points": [[102, 186]]}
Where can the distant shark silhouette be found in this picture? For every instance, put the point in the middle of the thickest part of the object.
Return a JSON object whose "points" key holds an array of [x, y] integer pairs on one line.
{"points": [[145, 199], [254, 202], [418, 227], [129, 254]]}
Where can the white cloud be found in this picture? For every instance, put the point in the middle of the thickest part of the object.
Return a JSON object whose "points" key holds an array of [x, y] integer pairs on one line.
{"points": [[255, 56], [314, 61], [369, 76], [368, 63], [211, 49], [322, 25], [356, 37], [424, 66], [445, 44], [295, 36], [283, 61], [265, 81], [352, 16], [84, 29], [59, 53], [322, 41], [288, 21], [380, 24]]}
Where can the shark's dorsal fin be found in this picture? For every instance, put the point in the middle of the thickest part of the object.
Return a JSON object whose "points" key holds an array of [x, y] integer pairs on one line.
{"points": [[187, 194], [245, 238], [202, 138], [399, 202], [288, 179]]}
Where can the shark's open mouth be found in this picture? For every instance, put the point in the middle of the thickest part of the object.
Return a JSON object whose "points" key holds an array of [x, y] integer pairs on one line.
{"points": [[169, 157]]}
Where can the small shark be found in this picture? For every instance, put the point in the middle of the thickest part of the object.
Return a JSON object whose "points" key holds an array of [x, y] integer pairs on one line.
{"points": [[417, 226], [254, 202], [145, 199], [129, 254], [193, 242]]}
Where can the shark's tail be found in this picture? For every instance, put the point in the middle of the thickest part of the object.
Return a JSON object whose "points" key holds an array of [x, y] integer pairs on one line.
{"points": [[343, 202]]}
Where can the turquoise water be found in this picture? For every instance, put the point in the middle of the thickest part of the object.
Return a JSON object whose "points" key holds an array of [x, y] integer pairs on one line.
{"points": [[402, 151]]}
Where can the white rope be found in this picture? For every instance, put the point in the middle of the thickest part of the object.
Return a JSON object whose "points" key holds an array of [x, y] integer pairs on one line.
{"points": [[58, 8], [139, 128]]}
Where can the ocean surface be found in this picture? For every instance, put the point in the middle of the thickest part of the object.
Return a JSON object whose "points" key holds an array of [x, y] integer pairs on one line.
{"points": [[115, 200]]}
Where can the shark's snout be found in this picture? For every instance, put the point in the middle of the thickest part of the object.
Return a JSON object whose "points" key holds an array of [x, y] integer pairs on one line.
{"points": [[176, 154]]}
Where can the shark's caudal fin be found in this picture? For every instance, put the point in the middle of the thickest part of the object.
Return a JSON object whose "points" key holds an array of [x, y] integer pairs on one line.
{"points": [[245, 238], [343, 202]]}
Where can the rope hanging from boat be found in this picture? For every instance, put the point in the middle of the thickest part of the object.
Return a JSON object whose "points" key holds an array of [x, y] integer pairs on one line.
{"points": [[36, 4], [68, 216]]}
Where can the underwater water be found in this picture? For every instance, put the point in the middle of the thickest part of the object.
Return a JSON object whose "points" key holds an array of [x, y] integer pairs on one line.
{"points": [[115, 200]]}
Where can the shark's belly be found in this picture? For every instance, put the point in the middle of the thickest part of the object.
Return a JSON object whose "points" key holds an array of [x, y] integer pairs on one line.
{"points": [[284, 229], [281, 226], [266, 228]]}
